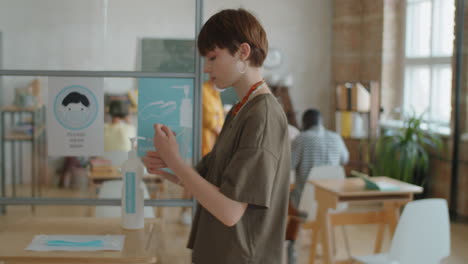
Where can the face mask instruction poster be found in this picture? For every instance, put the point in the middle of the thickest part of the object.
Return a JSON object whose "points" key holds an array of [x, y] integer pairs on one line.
{"points": [[75, 116], [167, 101]]}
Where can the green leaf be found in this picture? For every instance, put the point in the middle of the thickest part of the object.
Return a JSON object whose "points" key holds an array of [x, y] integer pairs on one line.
{"points": [[401, 153]]}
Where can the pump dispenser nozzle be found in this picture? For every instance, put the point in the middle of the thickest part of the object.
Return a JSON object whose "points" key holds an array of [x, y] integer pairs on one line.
{"points": [[132, 152], [186, 89], [132, 142]]}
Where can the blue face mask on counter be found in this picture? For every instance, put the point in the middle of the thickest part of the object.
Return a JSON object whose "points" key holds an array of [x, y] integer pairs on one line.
{"points": [[76, 243], [92, 243]]}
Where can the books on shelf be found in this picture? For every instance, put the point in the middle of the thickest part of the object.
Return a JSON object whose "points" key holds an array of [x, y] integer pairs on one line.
{"points": [[375, 185], [353, 97], [353, 110], [352, 124]]}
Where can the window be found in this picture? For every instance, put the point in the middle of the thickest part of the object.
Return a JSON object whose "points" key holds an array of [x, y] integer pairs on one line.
{"points": [[428, 59]]}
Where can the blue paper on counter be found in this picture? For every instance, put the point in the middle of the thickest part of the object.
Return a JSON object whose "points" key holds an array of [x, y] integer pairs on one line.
{"points": [[91, 243], [76, 243]]}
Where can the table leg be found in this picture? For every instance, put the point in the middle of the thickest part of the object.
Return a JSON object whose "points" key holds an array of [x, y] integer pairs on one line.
{"points": [[313, 244], [325, 202], [13, 158], [40, 174], [20, 143], [2, 169], [328, 256], [13, 168], [33, 166], [392, 214], [379, 239]]}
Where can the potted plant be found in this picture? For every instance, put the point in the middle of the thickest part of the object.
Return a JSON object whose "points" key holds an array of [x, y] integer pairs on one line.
{"points": [[403, 153]]}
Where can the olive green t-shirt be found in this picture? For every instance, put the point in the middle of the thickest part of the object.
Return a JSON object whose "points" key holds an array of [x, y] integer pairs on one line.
{"points": [[250, 163]]}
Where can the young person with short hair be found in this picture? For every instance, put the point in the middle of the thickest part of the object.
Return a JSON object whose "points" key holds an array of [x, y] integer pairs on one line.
{"points": [[242, 184]]}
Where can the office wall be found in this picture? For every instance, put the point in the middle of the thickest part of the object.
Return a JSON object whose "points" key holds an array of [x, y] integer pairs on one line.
{"points": [[106, 35], [357, 40], [302, 30], [75, 36], [87, 35]]}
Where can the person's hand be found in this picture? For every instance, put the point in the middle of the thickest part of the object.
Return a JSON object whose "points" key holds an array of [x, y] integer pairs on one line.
{"points": [[153, 162], [166, 145]]}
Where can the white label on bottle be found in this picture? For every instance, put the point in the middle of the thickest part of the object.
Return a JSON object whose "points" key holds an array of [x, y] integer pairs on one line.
{"points": [[130, 199]]}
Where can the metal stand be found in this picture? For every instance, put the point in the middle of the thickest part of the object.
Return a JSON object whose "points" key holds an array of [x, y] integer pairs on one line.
{"points": [[37, 140]]}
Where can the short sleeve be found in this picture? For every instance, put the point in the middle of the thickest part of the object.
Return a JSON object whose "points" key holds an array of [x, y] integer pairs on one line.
{"points": [[250, 176], [202, 165]]}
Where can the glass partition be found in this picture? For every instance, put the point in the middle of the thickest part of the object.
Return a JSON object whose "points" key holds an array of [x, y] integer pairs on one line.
{"points": [[30, 171], [115, 41]]}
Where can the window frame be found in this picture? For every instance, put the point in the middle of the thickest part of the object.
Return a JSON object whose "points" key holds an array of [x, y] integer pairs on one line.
{"points": [[431, 61]]}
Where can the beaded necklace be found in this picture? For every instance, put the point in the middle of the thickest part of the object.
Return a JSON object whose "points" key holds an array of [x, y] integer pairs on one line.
{"points": [[252, 90]]}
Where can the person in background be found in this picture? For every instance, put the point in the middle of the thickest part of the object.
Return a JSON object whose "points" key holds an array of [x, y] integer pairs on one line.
{"points": [[118, 132], [293, 132], [315, 146], [242, 185], [213, 119], [213, 116]]}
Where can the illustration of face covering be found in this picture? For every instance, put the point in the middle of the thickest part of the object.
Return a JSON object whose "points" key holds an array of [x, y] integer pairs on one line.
{"points": [[75, 114]]}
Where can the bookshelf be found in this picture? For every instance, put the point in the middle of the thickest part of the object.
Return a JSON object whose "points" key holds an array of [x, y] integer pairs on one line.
{"points": [[357, 113], [36, 137], [282, 94]]}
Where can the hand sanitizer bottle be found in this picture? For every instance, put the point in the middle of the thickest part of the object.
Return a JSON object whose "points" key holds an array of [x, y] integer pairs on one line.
{"points": [[185, 117], [185, 123], [132, 191]]}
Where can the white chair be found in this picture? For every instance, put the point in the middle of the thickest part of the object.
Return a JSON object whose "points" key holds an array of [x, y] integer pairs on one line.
{"points": [[113, 189], [308, 203], [421, 237]]}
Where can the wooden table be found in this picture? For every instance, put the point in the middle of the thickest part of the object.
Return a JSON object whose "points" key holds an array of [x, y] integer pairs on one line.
{"points": [[96, 178], [141, 246], [112, 173], [330, 192]]}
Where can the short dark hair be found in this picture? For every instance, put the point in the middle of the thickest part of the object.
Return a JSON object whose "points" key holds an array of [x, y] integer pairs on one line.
{"points": [[75, 97], [118, 109], [229, 29], [312, 117]]}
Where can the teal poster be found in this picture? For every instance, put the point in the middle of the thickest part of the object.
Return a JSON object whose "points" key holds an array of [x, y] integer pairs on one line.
{"points": [[167, 101]]}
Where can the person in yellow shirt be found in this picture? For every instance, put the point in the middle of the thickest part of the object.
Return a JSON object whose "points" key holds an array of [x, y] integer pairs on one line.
{"points": [[213, 116], [118, 132]]}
